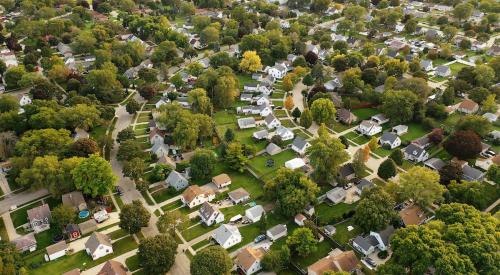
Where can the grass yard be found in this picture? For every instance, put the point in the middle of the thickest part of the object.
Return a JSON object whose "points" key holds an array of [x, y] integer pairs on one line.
{"points": [[287, 123], [20, 216], [199, 245], [332, 214], [258, 164], [382, 152], [143, 117], [438, 79], [120, 233], [439, 61], [243, 136], [44, 239], [165, 194], [248, 234], [171, 206], [456, 67], [322, 250], [415, 130], [245, 79], [224, 117], [356, 138], [232, 211], [141, 126], [365, 113], [133, 263], [140, 132], [196, 231], [278, 95], [280, 113], [301, 134], [339, 127], [277, 103], [342, 235], [119, 201]]}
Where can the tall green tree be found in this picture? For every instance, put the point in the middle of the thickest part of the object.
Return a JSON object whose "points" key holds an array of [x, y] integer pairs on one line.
{"points": [[213, 260], [323, 111], [94, 176], [235, 156], [202, 164], [375, 211], [302, 242], [134, 216], [326, 154], [399, 105], [157, 254], [43, 142], [306, 118]]}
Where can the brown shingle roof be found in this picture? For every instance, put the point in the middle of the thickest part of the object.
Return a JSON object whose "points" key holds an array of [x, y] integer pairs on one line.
{"points": [[62, 245], [39, 213], [468, 104], [345, 261], [95, 240], [113, 268], [248, 256], [221, 179]]}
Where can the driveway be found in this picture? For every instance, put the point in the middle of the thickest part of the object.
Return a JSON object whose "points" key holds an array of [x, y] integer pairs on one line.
{"points": [[298, 99]]}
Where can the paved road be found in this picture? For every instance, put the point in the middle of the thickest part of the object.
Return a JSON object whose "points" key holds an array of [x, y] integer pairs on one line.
{"points": [[4, 185], [21, 198]]}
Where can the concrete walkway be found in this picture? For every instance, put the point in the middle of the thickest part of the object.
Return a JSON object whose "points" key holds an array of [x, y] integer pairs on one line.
{"points": [[9, 227], [493, 205]]}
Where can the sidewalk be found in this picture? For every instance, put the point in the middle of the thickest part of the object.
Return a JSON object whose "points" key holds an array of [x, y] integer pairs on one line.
{"points": [[9, 226]]}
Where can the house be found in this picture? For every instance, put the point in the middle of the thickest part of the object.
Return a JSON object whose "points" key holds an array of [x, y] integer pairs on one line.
{"points": [[246, 97], [271, 121], [295, 163], [277, 232], [195, 195], [472, 174], [333, 84], [156, 136], [254, 214], [261, 100], [101, 216], [389, 139], [443, 71], [72, 231], [113, 267], [300, 145], [369, 128], [210, 215], [434, 164], [330, 230], [249, 259], [336, 195], [416, 153], [486, 163], [337, 261], [246, 123], [74, 200], [400, 130], [159, 149], [426, 65], [490, 117], [25, 243], [379, 119], [299, 219], [239, 195], [25, 100], [260, 135], [468, 107], [412, 215], [346, 172], [221, 180], [176, 180], [345, 116], [80, 133], [423, 141], [277, 71], [161, 101], [227, 235], [39, 218], [56, 250], [362, 185], [284, 133], [251, 87], [374, 240], [64, 49], [273, 149], [98, 245], [87, 227]]}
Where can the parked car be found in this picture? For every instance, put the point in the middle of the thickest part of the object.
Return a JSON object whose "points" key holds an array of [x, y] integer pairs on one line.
{"points": [[259, 238], [119, 190]]}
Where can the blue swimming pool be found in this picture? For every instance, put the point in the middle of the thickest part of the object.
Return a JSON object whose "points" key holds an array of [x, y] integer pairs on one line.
{"points": [[83, 214]]}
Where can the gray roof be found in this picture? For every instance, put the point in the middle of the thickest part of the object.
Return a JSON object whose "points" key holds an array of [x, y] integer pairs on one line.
{"points": [[272, 149], [246, 121], [73, 199], [364, 183], [472, 174], [366, 242], [442, 69], [277, 230], [39, 213], [62, 245], [87, 226], [175, 177], [280, 67], [224, 232], [25, 241], [337, 193], [207, 210], [388, 137], [238, 194], [435, 163], [414, 150], [425, 63], [95, 240], [157, 146], [255, 211], [386, 234], [346, 170], [269, 118], [299, 142], [345, 115], [261, 134]]}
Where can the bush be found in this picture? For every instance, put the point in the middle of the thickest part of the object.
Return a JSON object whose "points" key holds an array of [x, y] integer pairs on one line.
{"points": [[383, 254]]}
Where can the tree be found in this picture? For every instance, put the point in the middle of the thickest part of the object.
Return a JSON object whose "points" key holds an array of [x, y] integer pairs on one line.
{"points": [[130, 149], [354, 12], [171, 221], [489, 104], [94, 176], [358, 162], [225, 91], [419, 184], [134, 169], [387, 169], [229, 135], [13, 75], [450, 172], [493, 173], [132, 106], [147, 91], [478, 124], [288, 82], [306, 118], [436, 136], [323, 111], [157, 254], [251, 62], [8, 103], [326, 154], [397, 156], [43, 142], [166, 52], [276, 260], [320, 6], [125, 134], [213, 260], [292, 191], [399, 105], [463, 11], [202, 164], [469, 193], [11, 259], [200, 102], [302, 242], [7, 145], [133, 217], [463, 144], [395, 67], [289, 103], [411, 26], [375, 211], [83, 147], [62, 215], [235, 156], [351, 80], [296, 113]]}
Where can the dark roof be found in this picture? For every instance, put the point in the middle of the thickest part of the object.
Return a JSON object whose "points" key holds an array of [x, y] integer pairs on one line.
{"points": [[386, 234], [299, 142], [414, 150], [366, 242], [207, 210], [364, 183], [346, 170], [388, 137], [435, 163], [472, 174]]}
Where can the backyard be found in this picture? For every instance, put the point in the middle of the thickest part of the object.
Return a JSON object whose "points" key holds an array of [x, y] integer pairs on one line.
{"points": [[330, 214], [260, 166]]}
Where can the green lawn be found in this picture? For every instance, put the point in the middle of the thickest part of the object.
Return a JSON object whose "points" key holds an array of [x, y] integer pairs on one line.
{"points": [[342, 235], [197, 230], [232, 211], [140, 132], [322, 250], [277, 103], [278, 95], [20, 216], [78, 260], [120, 233], [301, 134], [287, 123], [44, 239], [365, 113], [333, 214], [456, 67], [172, 205], [224, 117], [199, 245], [141, 126], [258, 164], [439, 61], [133, 263], [143, 117], [243, 136], [280, 113], [165, 194], [380, 151], [245, 79], [340, 127], [415, 130]]}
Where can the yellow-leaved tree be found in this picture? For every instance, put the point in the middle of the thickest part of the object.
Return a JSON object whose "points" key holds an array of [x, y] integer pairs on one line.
{"points": [[250, 62]]}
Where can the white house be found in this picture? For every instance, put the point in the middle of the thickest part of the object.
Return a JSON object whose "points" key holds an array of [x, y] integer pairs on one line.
{"points": [[194, 196], [390, 139], [277, 232], [176, 180], [271, 121], [426, 65], [246, 123], [261, 100], [368, 244], [25, 100], [300, 145], [379, 119], [400, 130], [101, 216], [25, 243], [336, 195], [56, 250], [227, 235], [159, 149], [98, 245], [260, 135], [210, 215], [221, 180], [277, 71], [295, 163], [254, 214], [369, 128], [239, 195], [249, 259], [415, 153], [284, 133]]}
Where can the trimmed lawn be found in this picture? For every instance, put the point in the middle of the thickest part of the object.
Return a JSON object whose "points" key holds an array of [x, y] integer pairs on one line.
{"points": [[439, 61], [232, 211], [224, 117], [258, 164], [339, 127], [165, 194], [277, 95], [380, 151], [287, 123], [20, 216], [197, 230], [243, 136], [143, 117], [141, 126], [365, 113], [199, 245], [277, 103], [118, 234], [342, 235], [140, 132], [301, 134], [171, 206], [322, 250], [415, 130], [280, 113], [133, 263], [245, 79], [332, 214], [118, 201], [456, 67]]}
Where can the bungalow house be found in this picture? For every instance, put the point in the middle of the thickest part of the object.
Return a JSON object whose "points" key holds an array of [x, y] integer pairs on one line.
{"points": [[246, 97], [254, 214], [56, 250], [346, 172], [490, 117], [249, 259], [195, 195], [379, 119], [98, 245], [345, 116], [468, 107], [369, 128], [284, 133], [277, 71], [39, 218], [261, 100], [434, 164], [156, 136], [273, 149], [246, 123], [25, 243], [112, 267], [239, 195], [443, 71], [159, 149], [271, 121], [300, 145], [337, 261], [210, 215], [426, 65], [362, 185], [176, 180], [295, 163], [300, 219], [374, 240], [74, 200], [333, 84], [221, 180], [277, 232], [412, 215], [161, 101], [227, 235], [336, 195], [87, 227], [472, 174], [389, 139], [260, 135], [415, 153], [400, 130]]}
